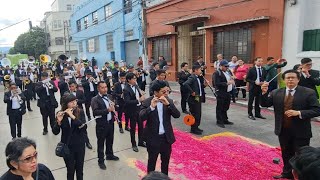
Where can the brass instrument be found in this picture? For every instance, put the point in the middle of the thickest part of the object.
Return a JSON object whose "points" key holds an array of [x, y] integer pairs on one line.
{"points": [[6, 77], [15, 93], [123, 69], [93, 80], [46, 83]]}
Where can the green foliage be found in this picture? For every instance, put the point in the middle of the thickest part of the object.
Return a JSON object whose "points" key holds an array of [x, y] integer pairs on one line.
{"points": [[32, 43], [14, 58], [12, 51]]}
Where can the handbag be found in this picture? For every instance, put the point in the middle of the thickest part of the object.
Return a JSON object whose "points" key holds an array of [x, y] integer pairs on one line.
{"points": [[62, 149]]}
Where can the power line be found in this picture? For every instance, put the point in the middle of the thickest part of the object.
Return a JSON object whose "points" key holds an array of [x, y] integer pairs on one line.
{"points": [[14, 24]]}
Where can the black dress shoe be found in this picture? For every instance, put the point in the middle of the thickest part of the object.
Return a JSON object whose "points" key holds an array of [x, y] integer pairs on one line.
{"points": [[30, 110], [89, 146], [186, 112], [45, 133], [135, 149], [221, 125], [102, 166], [251, 117], [261, 117], [198, 129], [143, 144], [127, 128], [112, 158], [121, 130], [196, 132], [228, 122], [283, 176]]}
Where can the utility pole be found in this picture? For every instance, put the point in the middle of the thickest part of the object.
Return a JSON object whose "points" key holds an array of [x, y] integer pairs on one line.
{"points": [[65, 39], [144, 33], [69, 39]]}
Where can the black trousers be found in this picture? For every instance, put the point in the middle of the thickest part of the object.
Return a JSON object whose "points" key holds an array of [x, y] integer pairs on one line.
{"points": [[47, 112], [105, 136], [241, 83], [164, 149], [120, 111], [86, 138], [75, 162], [28, 104], [195, 109], [289, 145], [88, 104], [15, 120], [184, 97], [134, 120], [223, 104], [254, 95], [142, 85]]}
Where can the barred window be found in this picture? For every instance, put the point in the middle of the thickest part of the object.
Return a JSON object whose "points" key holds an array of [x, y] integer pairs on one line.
{"points": [[86, 23], [80, 46], [59, 40], [127, 6], [93, 45], [95, 18], [234, 42], [162, 47], [69, 7], [311, 40], [109, 38], [108, 11]]}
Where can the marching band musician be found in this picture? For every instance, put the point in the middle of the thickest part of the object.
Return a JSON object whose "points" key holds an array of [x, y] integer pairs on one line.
{"points": [[28, 90], [90, 90], [73, 89], [115, 72], [183, 76], [47, 102], [109, 82], [15, 108], [153, 74], [105, 69], [19, 75], [141, 76], [102, 106], [133, 98], [63, 84], [131, 68], [161, 76], [118, 95]]}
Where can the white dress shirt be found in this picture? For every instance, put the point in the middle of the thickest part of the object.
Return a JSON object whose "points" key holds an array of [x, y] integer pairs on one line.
{"points": [[91, 86], [12, 78], [15, 103], [134, 89], [228, 77], [258, 76], [160, 116], [106, 102], [122, 86], [199, 83], [69, 119], [292, 92]]}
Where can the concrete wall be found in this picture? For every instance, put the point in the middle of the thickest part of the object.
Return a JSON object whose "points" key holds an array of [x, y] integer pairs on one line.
{"points": [[298, 18], [61, 5]]}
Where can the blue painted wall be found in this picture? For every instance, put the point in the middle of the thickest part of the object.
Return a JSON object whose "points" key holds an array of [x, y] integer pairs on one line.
{"points": [[118, 24]]}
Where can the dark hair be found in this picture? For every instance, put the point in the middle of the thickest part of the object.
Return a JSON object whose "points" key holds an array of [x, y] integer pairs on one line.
{"points": [[122, 74], [44, 74], [296, 67], [195, 67], [106, 63], [183, 64], [130, 76], [72, 82], [13, 84], [116, 62], [160, 71], [15, 148], [100, 82], [305, 60], [291, 71], [307, 163], [154, 175], [157, 85], [65, 99], [269, 58], [256, 59], [154, 64]]}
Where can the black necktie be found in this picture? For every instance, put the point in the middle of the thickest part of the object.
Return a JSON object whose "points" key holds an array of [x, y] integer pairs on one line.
{"points": [[260, 74]]}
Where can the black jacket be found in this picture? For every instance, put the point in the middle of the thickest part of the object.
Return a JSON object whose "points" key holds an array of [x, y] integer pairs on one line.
{"points": [[192, 86], [44, 98], [252, 77], [77, 134], [117, 93], [115, 75], [221, 83], [151, 131], [153, 74], [7, 100], [312, 81], [304, 100], [43, 173], [63, 87], [130, 99], [99, 108], [183, 77], [86, 88]]}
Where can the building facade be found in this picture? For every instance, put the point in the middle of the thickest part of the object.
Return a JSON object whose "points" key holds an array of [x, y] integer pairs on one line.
{"points": [[57, 25], [301, 35], [108, 30], [182, 30]]}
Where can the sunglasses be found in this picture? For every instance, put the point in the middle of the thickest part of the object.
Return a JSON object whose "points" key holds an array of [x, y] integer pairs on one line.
{"points": [[30, 158]]}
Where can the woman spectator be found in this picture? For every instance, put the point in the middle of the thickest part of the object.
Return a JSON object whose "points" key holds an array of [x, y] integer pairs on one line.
{"points": [[70, 120], [22, 161], [240, 72]]}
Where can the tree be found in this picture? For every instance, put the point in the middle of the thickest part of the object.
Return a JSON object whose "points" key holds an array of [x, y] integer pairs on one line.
{"points": [[12, 51], [32, 43]]}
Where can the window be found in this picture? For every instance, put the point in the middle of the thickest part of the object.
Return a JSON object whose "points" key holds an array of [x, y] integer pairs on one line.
{"points": [[86, 23], [80, 46], [55, 24], [162, 47], [95, 18], [79, 25], [234, 42], [59, 24], [69, 7], [127, 6], [109, 38], [128, 33], [59, 41], [93, 45], [311, 40], [108, 11]]}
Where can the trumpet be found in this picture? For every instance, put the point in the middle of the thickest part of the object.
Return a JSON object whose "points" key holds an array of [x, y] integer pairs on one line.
{"points": [[93, 80], [100, 73], [15, 93]]}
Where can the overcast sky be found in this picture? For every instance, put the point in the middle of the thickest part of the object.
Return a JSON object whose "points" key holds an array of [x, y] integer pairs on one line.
{"points": [[13, 11]]}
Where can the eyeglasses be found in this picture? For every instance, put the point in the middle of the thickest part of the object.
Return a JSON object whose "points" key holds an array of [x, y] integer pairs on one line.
{"points": [[30, 158]]}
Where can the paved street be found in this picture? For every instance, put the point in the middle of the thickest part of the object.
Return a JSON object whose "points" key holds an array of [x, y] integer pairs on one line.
{"points": [[132, 165]]}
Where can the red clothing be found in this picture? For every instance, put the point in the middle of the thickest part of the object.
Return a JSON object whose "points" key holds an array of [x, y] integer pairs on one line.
{"points": [[241, 71]]}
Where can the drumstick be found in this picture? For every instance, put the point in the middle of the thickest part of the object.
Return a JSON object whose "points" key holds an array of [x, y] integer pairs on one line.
{"points": [[91, 120], [274, 77]]}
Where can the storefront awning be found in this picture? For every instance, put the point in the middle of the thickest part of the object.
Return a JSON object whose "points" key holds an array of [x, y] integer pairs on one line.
{"points": [[187, 19], [236, 22], [163, 34]]}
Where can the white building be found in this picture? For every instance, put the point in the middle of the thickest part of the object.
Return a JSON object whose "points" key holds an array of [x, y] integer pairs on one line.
{"points": [[57, 23], [301, 35]]}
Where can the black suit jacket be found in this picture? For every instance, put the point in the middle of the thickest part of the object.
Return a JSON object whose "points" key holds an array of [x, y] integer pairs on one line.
{"points": [[130, 99], [153, 74], [78, 134], [312, 81], [86, 88], [44, 98], [115, 75], [252, 77], [6, 72], [304, 100], [151, 131], [220, 82], [117, 93], [183, 77], [192, 86], [63, 87], [99, 108], [7, 100]]}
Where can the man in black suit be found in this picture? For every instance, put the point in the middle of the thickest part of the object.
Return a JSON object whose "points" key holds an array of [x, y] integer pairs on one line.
{"points": [[223, 84], [142, 79], [157, 111], [255, 76], [19, 73], [195, 86], [294, 107], [102, 106], [310, 78], [118, 96], [15, 109], [115, 72], [183, 76], [132, 100], [90, 90], [153, 74], [47, 102], [201, 63], [161, 76]]}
